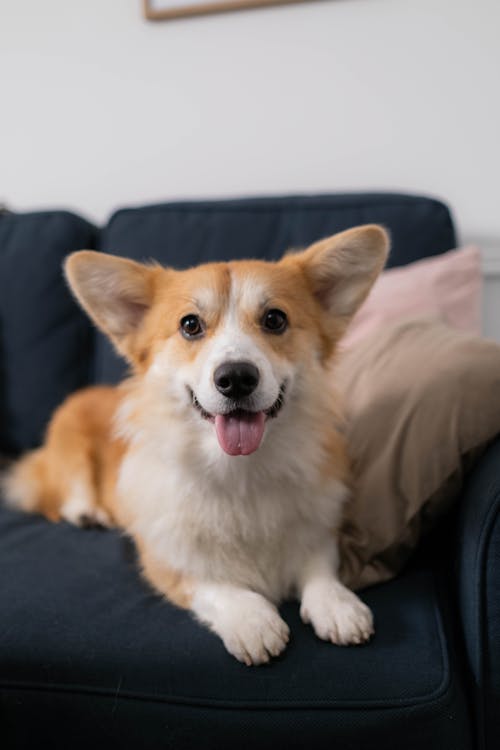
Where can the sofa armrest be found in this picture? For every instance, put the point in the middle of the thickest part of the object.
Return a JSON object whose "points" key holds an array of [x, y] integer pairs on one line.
{"points": [[479, 588]]}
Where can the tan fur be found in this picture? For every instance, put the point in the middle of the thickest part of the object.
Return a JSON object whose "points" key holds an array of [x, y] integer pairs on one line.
{"points": [[99, 432], [79, 443]]}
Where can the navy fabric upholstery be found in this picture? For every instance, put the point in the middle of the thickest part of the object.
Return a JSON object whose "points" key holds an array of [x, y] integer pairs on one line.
{"points": [[184, 234], [83, 636], [45, 339], [478, 553]]}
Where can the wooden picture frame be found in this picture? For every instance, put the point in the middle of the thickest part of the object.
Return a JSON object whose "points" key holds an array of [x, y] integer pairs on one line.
{"points": [[186, 8]]}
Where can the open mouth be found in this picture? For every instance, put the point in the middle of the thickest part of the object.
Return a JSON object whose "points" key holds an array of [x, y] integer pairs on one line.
{"points": [[240, 431]]}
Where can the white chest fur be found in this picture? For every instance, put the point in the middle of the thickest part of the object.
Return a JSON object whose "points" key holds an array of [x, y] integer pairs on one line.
{"points": [[242, 520]]}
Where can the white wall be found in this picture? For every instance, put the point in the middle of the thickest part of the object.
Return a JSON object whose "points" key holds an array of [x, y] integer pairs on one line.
{"points": [[100, 108]]}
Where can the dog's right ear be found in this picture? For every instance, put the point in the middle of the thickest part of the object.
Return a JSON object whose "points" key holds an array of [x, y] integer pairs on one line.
{"points": [[115, 292]]}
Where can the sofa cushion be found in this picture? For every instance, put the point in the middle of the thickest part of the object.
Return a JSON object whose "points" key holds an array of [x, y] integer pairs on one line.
{"points": [[185, 234], [45, 340], [85, 643]]}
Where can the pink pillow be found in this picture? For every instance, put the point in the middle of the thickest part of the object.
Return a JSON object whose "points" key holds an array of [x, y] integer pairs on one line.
{"points": [[446, 286]]}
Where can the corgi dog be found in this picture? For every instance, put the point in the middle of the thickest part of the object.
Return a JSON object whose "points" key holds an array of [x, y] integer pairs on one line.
{"points": [[222, 454]]}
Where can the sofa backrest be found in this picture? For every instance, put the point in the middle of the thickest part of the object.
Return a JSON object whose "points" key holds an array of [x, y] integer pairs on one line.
{"points": [[47, 346], [45, 340]]}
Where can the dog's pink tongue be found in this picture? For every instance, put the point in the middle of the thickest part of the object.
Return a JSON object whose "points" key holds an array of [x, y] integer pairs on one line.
{"points": [[240, 434]]}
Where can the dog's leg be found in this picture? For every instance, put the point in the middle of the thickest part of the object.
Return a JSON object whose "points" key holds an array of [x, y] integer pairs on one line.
{"points": [[75, 477], [177, 587], [334, 611], [248, 623]]}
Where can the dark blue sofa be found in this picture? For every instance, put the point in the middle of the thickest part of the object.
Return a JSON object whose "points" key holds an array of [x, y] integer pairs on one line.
{"points": [[91, 657]]}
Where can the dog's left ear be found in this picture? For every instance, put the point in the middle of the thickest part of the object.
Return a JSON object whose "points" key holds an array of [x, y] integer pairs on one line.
{"points": [[341, 269]]}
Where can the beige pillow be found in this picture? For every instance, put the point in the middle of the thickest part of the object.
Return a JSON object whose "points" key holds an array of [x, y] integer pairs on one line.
{"points": [[421, 401]]}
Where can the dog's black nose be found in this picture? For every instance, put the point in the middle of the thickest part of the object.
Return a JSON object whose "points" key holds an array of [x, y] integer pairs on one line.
{"points": [[236, 379]]}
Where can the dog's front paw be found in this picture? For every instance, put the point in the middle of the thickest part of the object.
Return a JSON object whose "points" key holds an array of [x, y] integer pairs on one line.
{"points": [[80, 511], [336, 613], [253, 631], [249, 625]]}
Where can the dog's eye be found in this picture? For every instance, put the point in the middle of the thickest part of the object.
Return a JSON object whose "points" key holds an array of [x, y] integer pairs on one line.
{"points": [[191, 327], [275, 321]]}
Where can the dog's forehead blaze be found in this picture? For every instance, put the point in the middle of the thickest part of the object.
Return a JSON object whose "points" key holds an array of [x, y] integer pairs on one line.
{"points": [[257, 285]]}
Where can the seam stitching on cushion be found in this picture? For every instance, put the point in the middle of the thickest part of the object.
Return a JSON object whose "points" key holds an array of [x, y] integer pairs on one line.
{"points": [[392, 704]]}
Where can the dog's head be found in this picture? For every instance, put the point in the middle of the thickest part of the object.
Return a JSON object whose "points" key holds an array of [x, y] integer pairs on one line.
{"points": [[231, 341]]}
